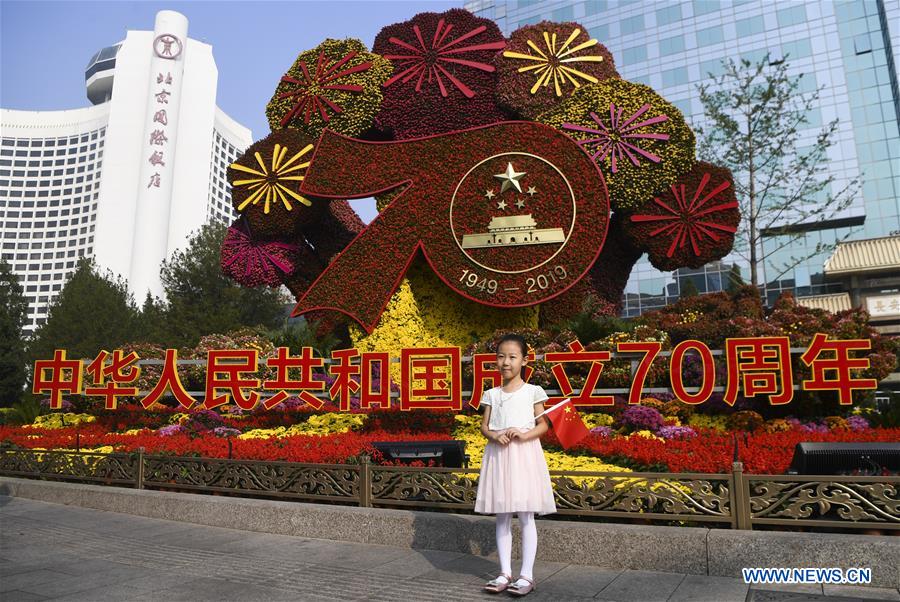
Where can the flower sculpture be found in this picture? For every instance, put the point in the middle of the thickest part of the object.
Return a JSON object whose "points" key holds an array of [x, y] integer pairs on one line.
{"points": [[444, 78], [545, 63], [640, 141], [337, 85], [253, 263], [512, 217], [265, 182], [691, 223]]}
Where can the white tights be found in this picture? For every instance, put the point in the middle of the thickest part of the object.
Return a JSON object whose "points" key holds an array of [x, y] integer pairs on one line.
{"points": [[529, 542]]}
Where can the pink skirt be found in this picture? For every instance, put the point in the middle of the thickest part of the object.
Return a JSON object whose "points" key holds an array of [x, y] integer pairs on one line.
{"points": [[514, 478]]}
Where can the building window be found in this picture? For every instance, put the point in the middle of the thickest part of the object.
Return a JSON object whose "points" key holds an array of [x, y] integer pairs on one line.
{"points": [[631, 25], [750, 26], [636, 54], [795, 15], [710, 36], [670, 14], [675, 77], [862, 44], [670, 46]]}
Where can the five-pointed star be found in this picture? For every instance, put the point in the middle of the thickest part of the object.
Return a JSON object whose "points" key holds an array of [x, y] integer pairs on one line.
{"points": [[489, 193], [532, 190], [501, 205], [510, 178], [520, 204]]}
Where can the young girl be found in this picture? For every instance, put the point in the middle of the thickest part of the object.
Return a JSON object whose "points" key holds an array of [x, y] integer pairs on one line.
{"points": [[514, 476]]}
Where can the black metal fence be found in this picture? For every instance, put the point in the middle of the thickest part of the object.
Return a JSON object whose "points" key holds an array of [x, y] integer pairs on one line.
{"points": [[735, 499]]}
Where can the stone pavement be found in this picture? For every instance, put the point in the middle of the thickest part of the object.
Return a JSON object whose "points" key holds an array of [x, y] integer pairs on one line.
{"points": [[58, 552]]}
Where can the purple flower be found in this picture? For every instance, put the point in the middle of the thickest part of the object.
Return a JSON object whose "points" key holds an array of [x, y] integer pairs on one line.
{"points": [[171, 429], [858, 423], [225, 431], [814, 427], [603, 431], [676, 432], [638, 418], [66, 405]]}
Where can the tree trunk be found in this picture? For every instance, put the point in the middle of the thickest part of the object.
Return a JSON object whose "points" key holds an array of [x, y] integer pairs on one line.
{"points": [[754, 277]]}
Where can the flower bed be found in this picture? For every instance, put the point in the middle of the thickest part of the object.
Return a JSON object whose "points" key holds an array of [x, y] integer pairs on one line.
{"points": [[638, 438]]}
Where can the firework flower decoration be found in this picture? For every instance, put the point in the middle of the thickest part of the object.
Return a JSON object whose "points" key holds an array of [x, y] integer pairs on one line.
{"points": [[265, 182], [691, 223], [337, 85], [253, 263], [444, 78], [544, 63], [640, 141]]}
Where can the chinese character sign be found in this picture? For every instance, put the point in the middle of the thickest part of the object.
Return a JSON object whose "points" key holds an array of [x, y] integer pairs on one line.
{"points": [[433, 378]]}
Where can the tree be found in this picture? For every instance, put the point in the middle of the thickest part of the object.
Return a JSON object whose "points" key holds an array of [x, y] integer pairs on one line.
{"points": [[735, 280], [755, 117], [93, 311], [688, 289], [202, 300], [152, 326], [13, 359]]}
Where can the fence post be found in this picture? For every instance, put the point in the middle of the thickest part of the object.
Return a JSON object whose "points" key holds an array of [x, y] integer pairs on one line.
{"points": [[365, 483], [741, 496], [140, 469]]}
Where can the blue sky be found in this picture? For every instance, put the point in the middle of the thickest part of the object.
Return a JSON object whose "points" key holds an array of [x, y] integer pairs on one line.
{"points": [[45, 46]]}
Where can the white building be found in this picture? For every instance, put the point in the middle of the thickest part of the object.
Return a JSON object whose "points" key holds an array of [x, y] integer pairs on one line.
{"points": [[124, 181]]}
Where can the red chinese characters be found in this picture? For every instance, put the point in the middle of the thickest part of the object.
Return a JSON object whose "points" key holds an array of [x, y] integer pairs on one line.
{"points": [[306, 362], [832, 373], [431, 378], [577, 353], [57, 376], [169, 380], [110, 376], [762, 366]]}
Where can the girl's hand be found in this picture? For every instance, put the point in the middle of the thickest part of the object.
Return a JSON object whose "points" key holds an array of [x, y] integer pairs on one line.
{"points": [[517, 434], [502, 438]]}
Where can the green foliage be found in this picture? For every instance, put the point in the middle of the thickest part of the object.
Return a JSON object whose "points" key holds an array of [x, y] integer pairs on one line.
{"points": [[300, 333], [735, 281], [13, 359], [757, 118], [590, 328], [202, 300], [93, 311], [152, 325], [688, 288], [26, 410]]}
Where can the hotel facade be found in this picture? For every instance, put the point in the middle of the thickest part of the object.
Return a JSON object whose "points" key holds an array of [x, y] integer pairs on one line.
{"points": [[124, 181]]}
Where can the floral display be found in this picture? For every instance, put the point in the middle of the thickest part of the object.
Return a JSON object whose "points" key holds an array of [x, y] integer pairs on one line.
{"points": [[444, 78], [256, 263], [637, 418], [640, 141], [341, 437], [545, 62], [264, 183], [337, 85], [691, 223]]}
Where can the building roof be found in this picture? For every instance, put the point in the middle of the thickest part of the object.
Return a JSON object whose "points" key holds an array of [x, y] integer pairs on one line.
{"points": [[870, 255], [833, 303]]}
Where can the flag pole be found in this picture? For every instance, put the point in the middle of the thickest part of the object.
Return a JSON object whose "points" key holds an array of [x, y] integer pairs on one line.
{"points": [[548, 410]]}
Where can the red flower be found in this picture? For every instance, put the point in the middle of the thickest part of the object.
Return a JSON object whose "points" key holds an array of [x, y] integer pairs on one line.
{"points": [[252, 263], [692, 223], [444, 78]]}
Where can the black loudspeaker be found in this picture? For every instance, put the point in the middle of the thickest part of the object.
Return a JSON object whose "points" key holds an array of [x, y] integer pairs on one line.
{"points": [[870, 458], [451, 454]]}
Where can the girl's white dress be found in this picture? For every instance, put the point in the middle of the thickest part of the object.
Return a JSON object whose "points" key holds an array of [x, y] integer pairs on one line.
{"points": [[514, 477]]}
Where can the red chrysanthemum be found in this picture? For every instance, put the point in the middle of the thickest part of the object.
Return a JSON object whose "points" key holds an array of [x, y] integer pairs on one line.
{"points": [[690, 224], [444, 78], [256, 263]]}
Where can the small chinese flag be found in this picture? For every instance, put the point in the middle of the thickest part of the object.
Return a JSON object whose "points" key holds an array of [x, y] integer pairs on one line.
{"points": [[567, 423]]}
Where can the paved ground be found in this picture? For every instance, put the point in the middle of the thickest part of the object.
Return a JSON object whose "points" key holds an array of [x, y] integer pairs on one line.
{"points": [[51, 551]]}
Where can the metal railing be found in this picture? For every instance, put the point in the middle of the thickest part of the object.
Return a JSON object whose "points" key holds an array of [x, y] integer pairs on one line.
{"points": [[735, 499]]}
